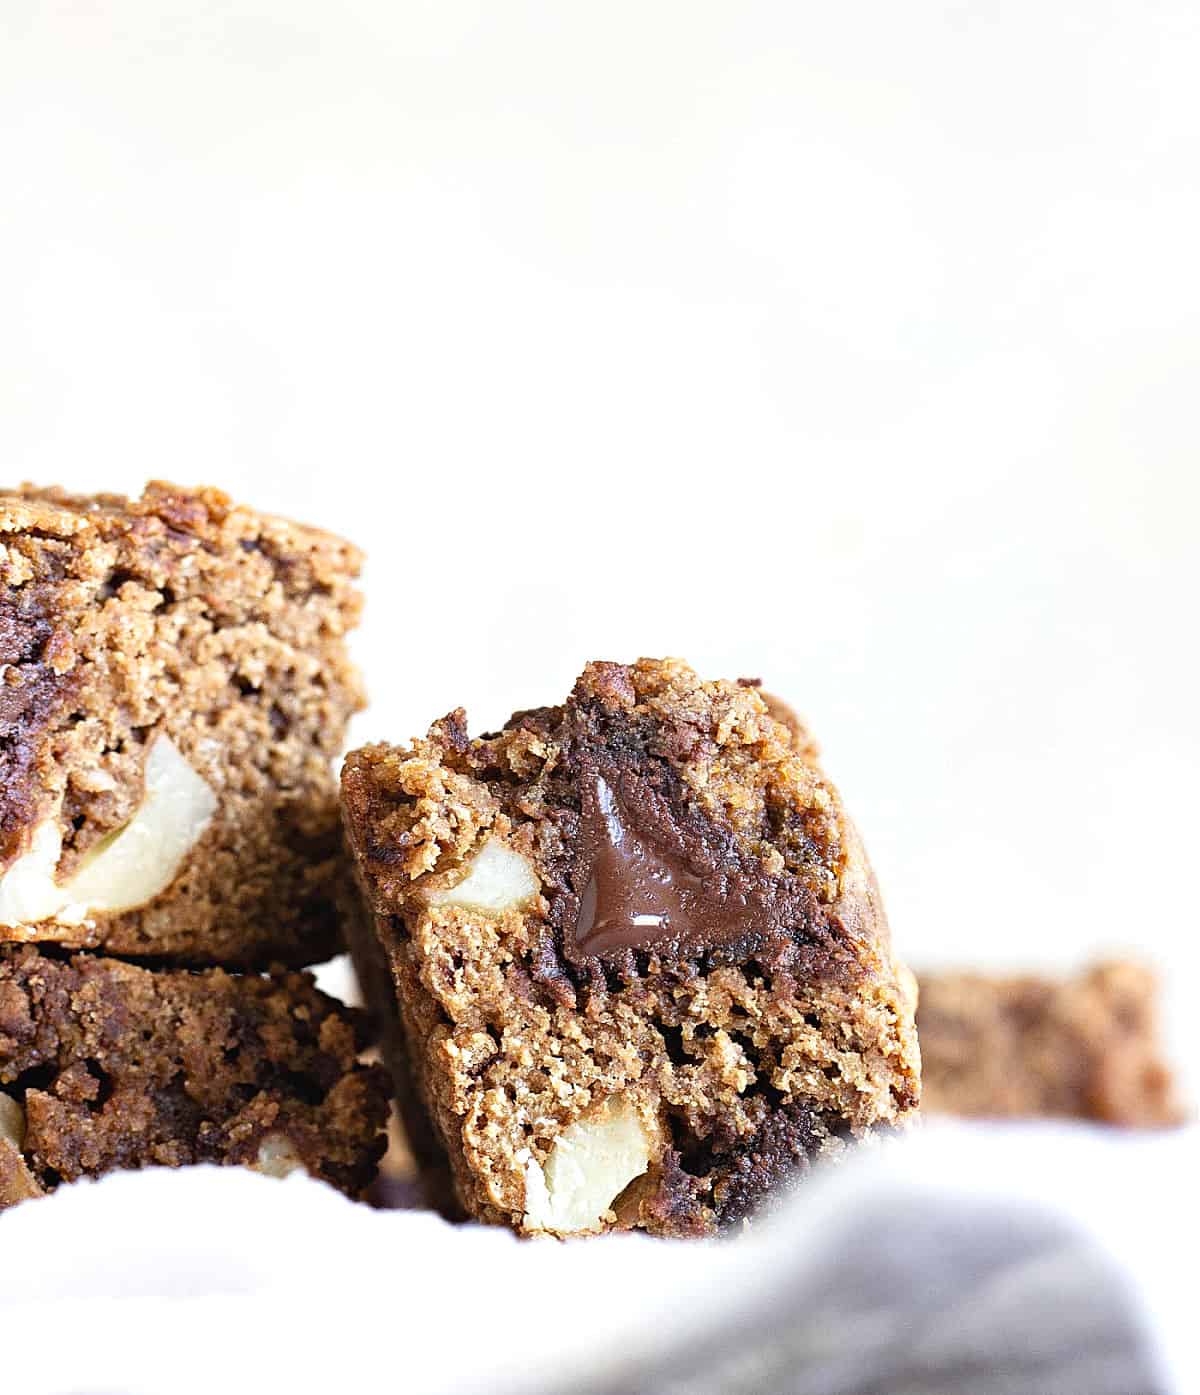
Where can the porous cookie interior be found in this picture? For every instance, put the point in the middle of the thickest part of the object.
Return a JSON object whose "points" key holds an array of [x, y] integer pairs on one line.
{"points": [[699, 952], [179, 615], [107, 1065]]}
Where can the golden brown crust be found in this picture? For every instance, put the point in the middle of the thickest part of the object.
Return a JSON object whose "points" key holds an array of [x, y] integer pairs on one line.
{"points": [[117, 1066], [1025, 1046], [183, 614], [414, 1150], [748, 1055]]}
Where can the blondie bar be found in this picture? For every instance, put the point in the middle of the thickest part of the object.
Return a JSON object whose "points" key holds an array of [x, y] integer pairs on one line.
{"points": [[1085, 1046], [636, 965], [174, 684], [107, 1065]]}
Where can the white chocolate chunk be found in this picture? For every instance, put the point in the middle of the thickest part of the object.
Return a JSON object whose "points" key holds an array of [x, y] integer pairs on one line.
{"points": [[28, 892], [12, 1122], [497, 880], [277, 1157], [142, 860], [592, 1162], [127, 869], [17, 1183]]}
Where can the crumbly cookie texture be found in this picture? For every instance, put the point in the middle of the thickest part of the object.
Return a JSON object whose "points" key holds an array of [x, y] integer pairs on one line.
{"points": [[1080, 1047], [174, 685], [106, 1065], [636, 966]]}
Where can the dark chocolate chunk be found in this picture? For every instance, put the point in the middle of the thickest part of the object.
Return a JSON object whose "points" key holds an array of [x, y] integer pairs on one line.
{"points": [[643, 884], [31, 689], [780, 1154]]}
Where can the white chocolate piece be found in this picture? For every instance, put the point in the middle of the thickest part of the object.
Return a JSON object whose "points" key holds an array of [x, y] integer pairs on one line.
{"points": [[17, 1183], [497, 880], [12, 1122], [28, 892], [591, 1163], [128, 868], [277, 1157]]}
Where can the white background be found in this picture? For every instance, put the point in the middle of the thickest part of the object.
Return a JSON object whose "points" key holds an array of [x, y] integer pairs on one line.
{"points": [[855, 347]]}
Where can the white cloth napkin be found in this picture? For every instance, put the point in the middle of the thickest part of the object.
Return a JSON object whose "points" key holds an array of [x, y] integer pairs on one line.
{"points": [[1044, 1260]]}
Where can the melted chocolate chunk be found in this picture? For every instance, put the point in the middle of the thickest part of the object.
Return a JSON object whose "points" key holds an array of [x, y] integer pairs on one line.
{"points": [[764, 1168], [637, 895], [645, 882], [731, 1178], [639, 870]]}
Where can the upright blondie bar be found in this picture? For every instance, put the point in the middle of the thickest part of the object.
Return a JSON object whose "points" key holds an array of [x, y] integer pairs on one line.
{"points": [[642, 971], [174, 684]]}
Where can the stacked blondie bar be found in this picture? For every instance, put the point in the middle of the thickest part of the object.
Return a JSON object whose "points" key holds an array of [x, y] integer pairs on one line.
{"points": [[174, 686]]}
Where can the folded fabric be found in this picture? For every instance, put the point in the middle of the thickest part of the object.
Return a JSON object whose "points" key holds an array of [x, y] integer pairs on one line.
{"points": [[982, 1259]]}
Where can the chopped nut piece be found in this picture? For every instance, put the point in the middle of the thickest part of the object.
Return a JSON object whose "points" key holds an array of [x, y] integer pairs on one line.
{"points": [[131, 867], [592, 1162], [144, 858], [16, 1181], [497, 880], [12, 1122], [28, 891], [277, 1157]]}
